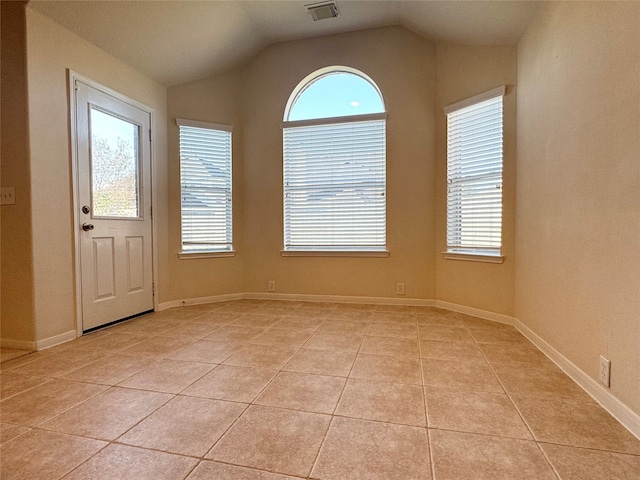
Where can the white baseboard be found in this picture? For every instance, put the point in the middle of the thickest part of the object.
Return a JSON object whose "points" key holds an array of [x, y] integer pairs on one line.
{"points": [[475, 312], [56, 340], [339, 299], [629, 419], [17, 344], [40, 344], [200, 300]]}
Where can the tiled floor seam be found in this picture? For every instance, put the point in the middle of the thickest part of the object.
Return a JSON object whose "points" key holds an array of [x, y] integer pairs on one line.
{"points": [[517, 409], [333, 416]]}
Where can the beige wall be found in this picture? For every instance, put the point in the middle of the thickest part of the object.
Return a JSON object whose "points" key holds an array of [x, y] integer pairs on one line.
{"points": [[16, 247], [403, 66], [462, 73], [214, 100], [578, 199], [51, 50]]}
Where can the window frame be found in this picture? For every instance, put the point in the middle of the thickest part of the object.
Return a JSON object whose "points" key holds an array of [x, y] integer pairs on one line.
{"points": [[348, 119], [476, 253], [213, 252]]}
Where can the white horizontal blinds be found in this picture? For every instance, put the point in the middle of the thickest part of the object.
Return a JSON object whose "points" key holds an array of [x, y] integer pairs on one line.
{"points": [[205, 182], [474, 175], [334, 187]]}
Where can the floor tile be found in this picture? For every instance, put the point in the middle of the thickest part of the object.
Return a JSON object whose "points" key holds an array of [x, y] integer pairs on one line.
{"points": [[118, 462], [40, 455], [45, 401], [111, 369], [360, 449], [234, 334], [385, 402], [257, 321], [576, 423], [459, 456], [390, 346], [531, 381], [475, 412], [147, 326], [208, 470], [112, 343], [273, 439], [283, 338], [168, 376], [58, 364], [465, 375], [321, 362], [191, 330], [185, 425], [387, 369], [393, 317], [24, 359], [299, 391], [237, 384], [518, 355], [435, 312], [475, 322], [206, 352], [582, 464], [216, 318], [438, 317], [506, 335], [109, 414], [158, 346], [299, 323], [262, 356], [444, 334], [350, 307], [337, 316], [393, 330], [318, 313], [12, 383], [8, 431], [335, 341], [406, 309], [459, 351], [343, 326]]}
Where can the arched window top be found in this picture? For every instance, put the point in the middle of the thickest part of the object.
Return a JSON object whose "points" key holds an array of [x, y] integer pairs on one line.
{"points": [[334, 92]]}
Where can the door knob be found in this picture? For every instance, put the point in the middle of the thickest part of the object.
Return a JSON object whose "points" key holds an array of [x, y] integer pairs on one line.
{"points": [[87, 226], [86, 209]]}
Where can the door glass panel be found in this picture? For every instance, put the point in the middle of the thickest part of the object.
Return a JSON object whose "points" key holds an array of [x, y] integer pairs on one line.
{"points": [[114, 166]]}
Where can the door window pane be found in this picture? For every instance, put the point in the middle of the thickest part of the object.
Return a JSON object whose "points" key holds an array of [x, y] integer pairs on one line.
{"points": [[114, 166]]}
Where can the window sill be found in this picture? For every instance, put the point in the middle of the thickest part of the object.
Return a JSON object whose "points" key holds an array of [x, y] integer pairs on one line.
{"points": [[328, 253], [474, 257], [193, 255]]}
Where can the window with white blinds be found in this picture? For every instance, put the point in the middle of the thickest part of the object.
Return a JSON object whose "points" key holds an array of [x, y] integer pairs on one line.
{"points": [[205, 185], [335, 172], [474, 175]]}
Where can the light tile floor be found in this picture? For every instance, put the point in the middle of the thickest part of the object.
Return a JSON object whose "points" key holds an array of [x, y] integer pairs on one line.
{"points": [[273, 390]]}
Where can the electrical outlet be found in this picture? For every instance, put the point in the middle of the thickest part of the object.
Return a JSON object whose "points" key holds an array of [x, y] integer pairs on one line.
{"points": [[604, 371], [272, 285], [399, 288], [8, 196]]}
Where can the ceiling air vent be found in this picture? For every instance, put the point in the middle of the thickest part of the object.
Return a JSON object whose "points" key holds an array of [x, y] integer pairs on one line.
{"points": [[321, 11]]}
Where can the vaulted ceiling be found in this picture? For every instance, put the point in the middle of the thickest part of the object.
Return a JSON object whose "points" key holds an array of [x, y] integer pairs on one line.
{"points": [[175, 42]]}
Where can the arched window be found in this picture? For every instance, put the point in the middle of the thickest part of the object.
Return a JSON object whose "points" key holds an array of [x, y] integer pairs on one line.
{"points": [[335, 164]]}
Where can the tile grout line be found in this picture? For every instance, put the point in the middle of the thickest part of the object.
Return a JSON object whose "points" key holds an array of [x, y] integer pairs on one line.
{"points": [[508, 395]]}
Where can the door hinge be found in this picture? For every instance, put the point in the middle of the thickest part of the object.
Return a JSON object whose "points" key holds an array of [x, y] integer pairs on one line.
{"points": [[153, 289], [149, 134], [151, 211]]}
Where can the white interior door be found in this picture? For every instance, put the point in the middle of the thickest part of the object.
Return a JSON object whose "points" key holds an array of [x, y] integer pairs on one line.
{"points": [[114, 199]]}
